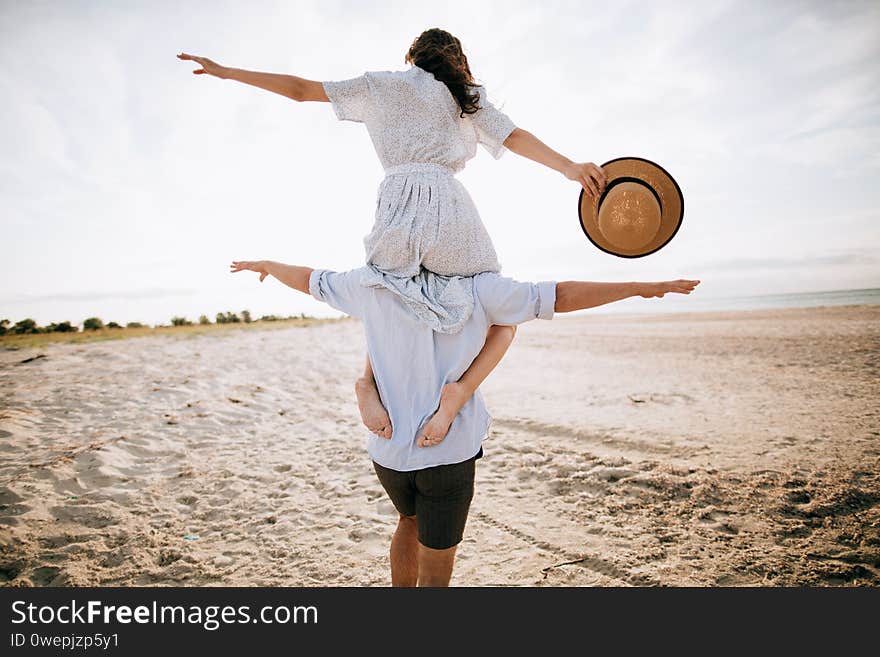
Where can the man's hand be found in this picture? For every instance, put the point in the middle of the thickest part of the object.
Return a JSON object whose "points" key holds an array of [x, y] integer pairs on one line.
{"points": [[681, 286], [258, 266], [590, 177], [208, 66]]}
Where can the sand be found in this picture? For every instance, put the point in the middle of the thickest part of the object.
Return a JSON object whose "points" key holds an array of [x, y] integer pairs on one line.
{"points": [[688, 449]]}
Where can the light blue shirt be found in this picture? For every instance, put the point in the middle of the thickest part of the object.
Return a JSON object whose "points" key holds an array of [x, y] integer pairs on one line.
{"points": [[412, 362]]}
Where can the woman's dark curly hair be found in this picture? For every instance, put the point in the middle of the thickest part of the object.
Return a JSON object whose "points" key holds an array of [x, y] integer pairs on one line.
{"points": [[440, 53]]}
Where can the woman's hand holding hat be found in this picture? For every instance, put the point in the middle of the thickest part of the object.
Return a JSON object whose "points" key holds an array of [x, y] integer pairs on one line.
{"points": [[590, 176]]}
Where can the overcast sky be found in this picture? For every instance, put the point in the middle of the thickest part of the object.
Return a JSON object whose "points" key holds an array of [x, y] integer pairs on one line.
{"points": [[129, 184]]}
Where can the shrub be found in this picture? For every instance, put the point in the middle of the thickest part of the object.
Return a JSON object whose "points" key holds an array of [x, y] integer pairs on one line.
{"points": [[92, 324], [25, 326], [270, 318], [203, 319], [246, 316], [113, 325], [180, 321], [134, 325], [61, 327]]}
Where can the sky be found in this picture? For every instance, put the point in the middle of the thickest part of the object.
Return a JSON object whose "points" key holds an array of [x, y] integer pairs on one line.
{"points": [[128, 184]]}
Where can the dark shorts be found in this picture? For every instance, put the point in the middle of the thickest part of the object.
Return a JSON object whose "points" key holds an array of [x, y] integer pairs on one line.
{"points": [[439, 497]]}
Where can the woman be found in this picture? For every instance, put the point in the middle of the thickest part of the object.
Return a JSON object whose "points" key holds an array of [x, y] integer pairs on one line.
{"points": [[425, 123]]}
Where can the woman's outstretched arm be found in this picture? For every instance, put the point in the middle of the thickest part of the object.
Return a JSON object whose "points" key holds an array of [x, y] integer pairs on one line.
{"points": [[290, 86], [590, 176]]}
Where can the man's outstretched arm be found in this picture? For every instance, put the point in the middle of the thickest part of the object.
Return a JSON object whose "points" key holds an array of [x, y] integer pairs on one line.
{"points": [[508, 302], [570, 295], [578, 295], [291, 275]]}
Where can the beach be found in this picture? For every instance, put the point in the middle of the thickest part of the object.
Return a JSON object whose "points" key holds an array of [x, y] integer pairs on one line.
{"points": [[737, 448]]}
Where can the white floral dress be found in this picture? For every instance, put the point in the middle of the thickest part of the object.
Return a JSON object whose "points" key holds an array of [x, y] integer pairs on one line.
{"points": [[427, 233]]}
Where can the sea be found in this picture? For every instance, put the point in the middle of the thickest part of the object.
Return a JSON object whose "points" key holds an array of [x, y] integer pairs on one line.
{"points": [[695, 302]]}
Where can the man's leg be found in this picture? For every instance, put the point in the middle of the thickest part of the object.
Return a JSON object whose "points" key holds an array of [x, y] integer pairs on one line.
{"points": [[400, 487], [435, 566], [405, 557], [455, 395], [443, 499]]}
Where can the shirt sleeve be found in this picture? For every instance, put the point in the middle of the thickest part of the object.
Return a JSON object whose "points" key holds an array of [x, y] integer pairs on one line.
{"points": [[351, 99], [508, 302], [492, 125], [339, 290]]}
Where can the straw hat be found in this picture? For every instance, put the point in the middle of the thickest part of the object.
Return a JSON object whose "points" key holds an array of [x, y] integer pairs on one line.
{"points": [[639, 211]]}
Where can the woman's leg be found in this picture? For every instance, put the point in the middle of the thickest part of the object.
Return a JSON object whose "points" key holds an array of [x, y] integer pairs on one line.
{"points": [[373, 413], [455, 395]]}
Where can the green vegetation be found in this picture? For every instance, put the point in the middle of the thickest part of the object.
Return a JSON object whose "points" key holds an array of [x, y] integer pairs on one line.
{"points": [[26, 332], [24, 327], [92, 324], [29, 327], [65, 327]]}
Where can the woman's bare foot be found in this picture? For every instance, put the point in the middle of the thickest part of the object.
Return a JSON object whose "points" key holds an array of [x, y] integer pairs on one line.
{"points": [[373, 413], [452, 398]]}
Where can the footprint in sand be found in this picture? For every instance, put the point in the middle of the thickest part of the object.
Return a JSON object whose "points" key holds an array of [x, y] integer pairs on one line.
{"points": [[612, 475], [719, 520], [9, 570], [64, 540], [167, 557], [668, 399], [47, 576], [10, 507], [92, 517], [798, 496]]}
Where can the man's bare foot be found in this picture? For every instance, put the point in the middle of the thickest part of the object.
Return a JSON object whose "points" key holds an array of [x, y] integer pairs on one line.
{"points": [[373, 413], [452, 398]]}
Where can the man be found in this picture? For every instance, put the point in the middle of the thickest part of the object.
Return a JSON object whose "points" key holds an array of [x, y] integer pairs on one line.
{"points": [[431, 483]]}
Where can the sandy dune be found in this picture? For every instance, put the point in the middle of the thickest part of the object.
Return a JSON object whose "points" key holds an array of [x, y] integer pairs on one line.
{"points": [[701, 449]]}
